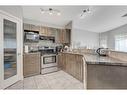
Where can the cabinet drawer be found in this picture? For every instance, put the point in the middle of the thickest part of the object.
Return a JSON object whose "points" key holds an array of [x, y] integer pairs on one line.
{"points": [[49, 70]]}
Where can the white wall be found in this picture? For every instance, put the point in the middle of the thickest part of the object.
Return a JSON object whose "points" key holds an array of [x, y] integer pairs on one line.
{"points": [[14, 10], [110, 35], [30, 21], [84, 38], [17, 11]]}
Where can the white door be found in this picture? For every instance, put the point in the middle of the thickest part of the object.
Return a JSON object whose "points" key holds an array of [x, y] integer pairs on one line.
{"points": [[10, 50]]}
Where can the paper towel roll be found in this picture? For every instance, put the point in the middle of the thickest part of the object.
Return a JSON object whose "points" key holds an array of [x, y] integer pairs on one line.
{"points": [[26, 48]]}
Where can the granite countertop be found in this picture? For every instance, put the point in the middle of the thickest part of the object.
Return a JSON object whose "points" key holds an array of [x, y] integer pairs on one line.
{"points": [[103, 60], [100, 60]]}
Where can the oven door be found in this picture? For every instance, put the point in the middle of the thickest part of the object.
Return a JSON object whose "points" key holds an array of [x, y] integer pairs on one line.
{"points": [[49, 59]]}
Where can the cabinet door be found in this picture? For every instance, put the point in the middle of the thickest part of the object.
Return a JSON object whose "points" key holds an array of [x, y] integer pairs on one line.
{"points": [[52, 32], [31, 64], [26, 26], [62, 61], [42, 30], [63, 36], [58, 36], [34, 27], [31, 27], [68, 35]]}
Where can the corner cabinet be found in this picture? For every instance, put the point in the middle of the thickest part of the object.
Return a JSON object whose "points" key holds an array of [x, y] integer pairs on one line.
{"points": [[11, 43]]}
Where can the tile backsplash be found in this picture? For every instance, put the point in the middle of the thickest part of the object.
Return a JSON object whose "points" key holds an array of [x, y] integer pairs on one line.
{"points": [[42, 43]]}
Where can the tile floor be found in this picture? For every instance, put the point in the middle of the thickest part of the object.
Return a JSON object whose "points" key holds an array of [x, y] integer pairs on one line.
{"points": [[56, 80]]}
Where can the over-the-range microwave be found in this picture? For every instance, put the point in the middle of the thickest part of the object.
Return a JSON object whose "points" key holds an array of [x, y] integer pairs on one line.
{"points": [[31, 36]]}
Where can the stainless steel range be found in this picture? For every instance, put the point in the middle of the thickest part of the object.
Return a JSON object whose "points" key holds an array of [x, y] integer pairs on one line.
{"points": [[48, 59]]}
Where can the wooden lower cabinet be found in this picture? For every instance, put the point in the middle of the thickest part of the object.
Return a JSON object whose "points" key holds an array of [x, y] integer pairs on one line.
{"points": [[61, 61], [31, 64], [72, 64]]}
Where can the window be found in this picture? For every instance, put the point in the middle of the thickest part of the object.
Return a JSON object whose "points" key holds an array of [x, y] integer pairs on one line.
{"points": [[121, 42], [103, 41]]}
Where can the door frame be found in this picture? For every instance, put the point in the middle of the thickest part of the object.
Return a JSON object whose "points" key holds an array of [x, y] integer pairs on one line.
{"points": [[19, 34]]}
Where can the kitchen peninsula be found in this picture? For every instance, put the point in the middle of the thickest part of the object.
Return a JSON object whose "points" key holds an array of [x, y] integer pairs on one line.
{"points": [[96, 72]]}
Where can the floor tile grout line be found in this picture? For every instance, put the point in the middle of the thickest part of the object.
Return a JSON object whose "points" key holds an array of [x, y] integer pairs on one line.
{"points": [[35, 82], [47, 83]]}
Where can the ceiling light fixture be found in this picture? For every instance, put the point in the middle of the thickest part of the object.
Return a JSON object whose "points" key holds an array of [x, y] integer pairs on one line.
{"points": [[51, 11], [84, 12], [125, 15]]}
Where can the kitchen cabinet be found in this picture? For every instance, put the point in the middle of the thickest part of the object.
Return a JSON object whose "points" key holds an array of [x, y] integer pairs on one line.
{"points": [[31, 64], [43, 31], [52, 31], [26, 26], [62, 61], [72, 64], [34, 27], [47, 31], [31, 27], [68, 36], [63, 36]]}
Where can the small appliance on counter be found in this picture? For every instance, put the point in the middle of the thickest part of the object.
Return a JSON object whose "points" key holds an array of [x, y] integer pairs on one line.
{"points": [[29, 49], [102, 51], [59, 49], [66, 48]]}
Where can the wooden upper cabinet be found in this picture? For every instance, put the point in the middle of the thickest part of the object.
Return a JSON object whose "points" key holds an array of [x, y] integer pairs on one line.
{"points": [[61, 35], [68, 35], [43, 31], [58, 36], [35, 27], [52, 31], [47, 31], [26, 26], [31, 27]]}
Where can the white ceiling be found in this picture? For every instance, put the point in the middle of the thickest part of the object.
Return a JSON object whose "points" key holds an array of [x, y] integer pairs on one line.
{"points": [[101, 18], [67, 14]]}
